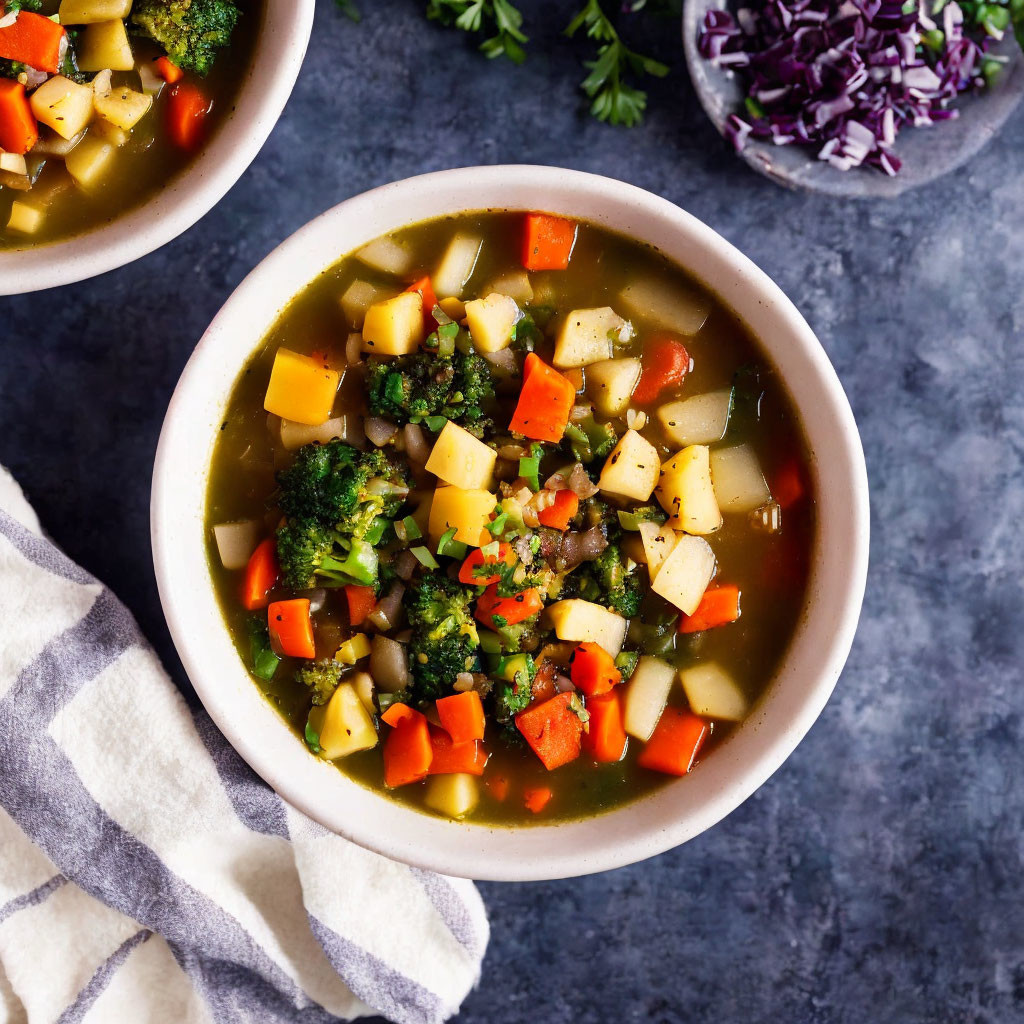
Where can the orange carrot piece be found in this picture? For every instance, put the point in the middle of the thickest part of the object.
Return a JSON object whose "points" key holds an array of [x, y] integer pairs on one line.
{"points": [[498, 787], [407, 751], [19, 131], [398, 713], [462, 716], [536, 798], [553, 730], [260, 575], [168, 70], [426, 290], [33, 40], [187, 109], [718, 607], [545, 401], [675, 742], [291, 628], [592, 669], [665, 364], [561, 513], [788, 487], [360, 602], [512, 609], [547, 242], [449, 758], [605, 741], [476, 559]]}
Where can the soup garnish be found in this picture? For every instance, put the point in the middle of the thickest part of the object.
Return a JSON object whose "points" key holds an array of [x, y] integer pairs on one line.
{"points": [[510, 518]]}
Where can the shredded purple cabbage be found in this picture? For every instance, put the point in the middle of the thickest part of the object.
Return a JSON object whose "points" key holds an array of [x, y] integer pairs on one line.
{"points": [[843, 77]]}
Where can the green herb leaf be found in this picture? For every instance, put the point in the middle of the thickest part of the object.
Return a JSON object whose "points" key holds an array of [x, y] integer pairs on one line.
{"points": [[349, 9], [499, 21], [424, 557]]}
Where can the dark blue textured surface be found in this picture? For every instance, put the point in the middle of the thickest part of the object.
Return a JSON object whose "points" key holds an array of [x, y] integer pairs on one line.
{"points": [[877, 877]]}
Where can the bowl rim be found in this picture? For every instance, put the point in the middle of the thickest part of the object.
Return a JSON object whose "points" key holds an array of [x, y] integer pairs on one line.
{"points": [[171, 210], [675, 812]]}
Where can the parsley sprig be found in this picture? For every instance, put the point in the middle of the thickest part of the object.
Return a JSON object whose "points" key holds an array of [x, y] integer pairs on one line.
{"points": [[499, 20]]}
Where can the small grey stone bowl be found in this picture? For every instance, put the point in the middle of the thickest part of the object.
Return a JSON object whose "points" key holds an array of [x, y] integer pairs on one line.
{"points": [[927, 153]]}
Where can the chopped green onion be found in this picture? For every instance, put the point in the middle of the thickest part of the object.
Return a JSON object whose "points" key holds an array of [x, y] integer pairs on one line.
{"points": [[424, 557], [312, 739], [490, 550], [644, 514], [625, 662], [446, 335], [412, 529], [497, 525], [441, 318], [534, 543], [264, 660], [435, 423], [448, 545], [490, 643], [529, 468], [376, 531]]}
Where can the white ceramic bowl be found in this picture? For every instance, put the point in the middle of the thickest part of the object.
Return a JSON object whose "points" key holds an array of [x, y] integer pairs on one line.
{"points": [[679, 810], [280, 47]]}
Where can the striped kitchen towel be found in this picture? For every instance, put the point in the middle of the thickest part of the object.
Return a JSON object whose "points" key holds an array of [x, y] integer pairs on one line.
{"points": [[147, 875]]}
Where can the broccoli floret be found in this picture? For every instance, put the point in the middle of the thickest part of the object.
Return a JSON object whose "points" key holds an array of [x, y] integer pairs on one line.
{"points": [[522, 636], [322, 677], [191, 31], [589, 440], [411, 388], [512, 697], [337, 485], [444, 639], [620, 590], [334, 497]]}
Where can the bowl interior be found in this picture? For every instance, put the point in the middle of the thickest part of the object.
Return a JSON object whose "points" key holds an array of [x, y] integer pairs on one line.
{"points": [[280, 47], [927, 153], [679, 810]]}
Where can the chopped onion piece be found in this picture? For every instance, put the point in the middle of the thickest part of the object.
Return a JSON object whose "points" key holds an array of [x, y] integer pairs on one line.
{"points": [[237, 541], [379, 430], [295, 435], [388, 665]]}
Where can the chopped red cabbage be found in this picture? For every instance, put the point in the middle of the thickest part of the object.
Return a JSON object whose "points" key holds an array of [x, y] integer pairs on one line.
{"points": [[846, 77]]}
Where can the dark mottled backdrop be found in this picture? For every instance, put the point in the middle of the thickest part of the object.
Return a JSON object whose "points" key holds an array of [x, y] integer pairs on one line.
{"points": [[878, 875]]}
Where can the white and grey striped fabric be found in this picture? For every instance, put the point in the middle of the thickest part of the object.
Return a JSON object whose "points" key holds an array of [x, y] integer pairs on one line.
{"points": [[147, 875]]}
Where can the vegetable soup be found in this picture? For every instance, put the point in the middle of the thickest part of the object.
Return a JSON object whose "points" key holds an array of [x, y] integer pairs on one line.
{"points": [[102, 102], [509, 518]]}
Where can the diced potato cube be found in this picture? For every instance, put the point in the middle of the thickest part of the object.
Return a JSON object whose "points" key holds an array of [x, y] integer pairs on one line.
{"points": [[579, 620], [394, 327], [387, 255], [63, 105], [25, 219], [461, 459], [362, 683], [468, 511], [110, 133], [88, 12], [658, 542], [686, 573], [152, 84], [87, 162], [358, 297], [632, 468], [713, 693], [491, 320], [347, 725], [301, 388], [668, 305], [702, 419], [13, 163], [123, 107], [646, 696], [515, 284], [453, 308], [610, 384], [453, 795], [685, 491], [237, 541], [739, 482], [457, 266], [104, 44], [588, 335]]}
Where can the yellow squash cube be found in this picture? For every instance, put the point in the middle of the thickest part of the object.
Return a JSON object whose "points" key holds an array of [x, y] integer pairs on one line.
{"points": [[104, 44], [468, 511], [88, 160], [301, 388], [88, 12], [394, 327], [491, 321], [25, 219], [632, 468], [347, 726], [460, 459], [63, 105]]}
